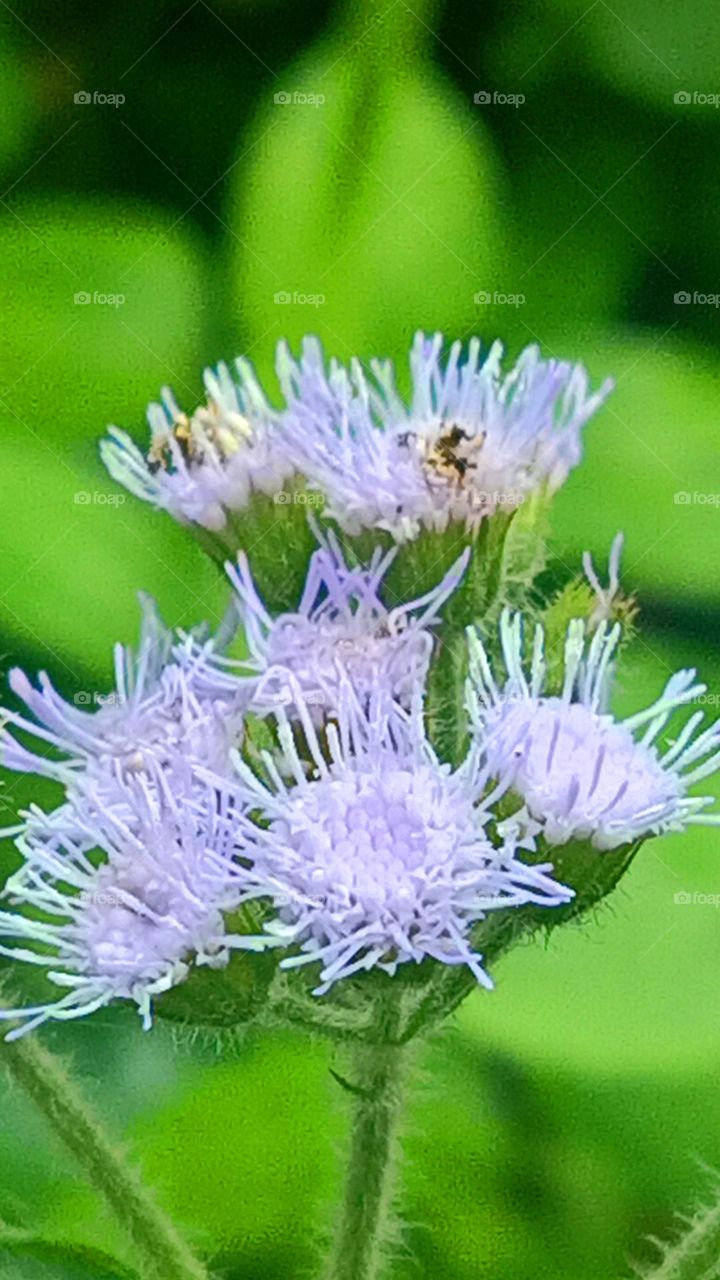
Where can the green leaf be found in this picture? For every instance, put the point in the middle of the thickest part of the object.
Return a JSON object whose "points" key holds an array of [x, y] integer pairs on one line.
{"points": [[100, 309], [74, 552], [19, 102], [376, 211], [33, 1258], [74, 549], [641, 49], [260, 1123], [645, 51], [650, 468]]}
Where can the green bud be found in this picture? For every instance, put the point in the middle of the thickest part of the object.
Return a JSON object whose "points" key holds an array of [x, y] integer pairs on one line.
{"points": [[524, 552], [578, 600]]}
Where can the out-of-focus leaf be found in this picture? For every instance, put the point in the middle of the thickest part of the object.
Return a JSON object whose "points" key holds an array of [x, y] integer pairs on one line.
{"points": [[643, 49], [100, 309], [504, 1160], [31, 1257], [18, 107], [74, 552], [370, 213], [651, 468], [647, 51], [262, 1123], [509, 1160]]}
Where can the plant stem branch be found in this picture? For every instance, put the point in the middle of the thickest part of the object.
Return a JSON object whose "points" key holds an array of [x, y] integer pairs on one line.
{"points": [[365, 1225], [159, 1250]]}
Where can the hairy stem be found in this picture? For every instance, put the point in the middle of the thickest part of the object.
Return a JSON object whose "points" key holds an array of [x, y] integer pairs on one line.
{"points": [[446, 702], [364, 1228], [694, 1254], [159, 1250]]}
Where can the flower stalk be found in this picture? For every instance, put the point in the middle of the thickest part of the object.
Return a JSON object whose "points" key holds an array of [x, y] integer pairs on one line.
{"points": [[159, 1251], [365, 1227]]}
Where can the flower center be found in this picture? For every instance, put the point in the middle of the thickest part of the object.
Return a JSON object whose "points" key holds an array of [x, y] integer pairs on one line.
{"points": [[132, 938], [370, 841]]}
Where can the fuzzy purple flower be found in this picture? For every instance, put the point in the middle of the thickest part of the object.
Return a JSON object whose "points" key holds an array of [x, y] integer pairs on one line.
{"points": [[580, 773], [372, 852], [342, 629], [470, 440], [153, 712], [205, 467], [132, 927]]}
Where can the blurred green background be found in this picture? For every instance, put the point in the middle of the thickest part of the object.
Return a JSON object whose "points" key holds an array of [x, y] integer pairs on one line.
{"points": [[539, 171]]}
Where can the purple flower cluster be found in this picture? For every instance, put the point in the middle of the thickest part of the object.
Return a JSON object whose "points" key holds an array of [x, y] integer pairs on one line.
{"points": [[342, 629], [288, 759], [470, 440]]}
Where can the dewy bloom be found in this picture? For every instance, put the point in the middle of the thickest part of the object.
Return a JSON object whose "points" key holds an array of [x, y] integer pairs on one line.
{"points": [[130, 928], [154, 712], [379, 855], [203, 468], [580, 773], [470, 440], [341, 629]]}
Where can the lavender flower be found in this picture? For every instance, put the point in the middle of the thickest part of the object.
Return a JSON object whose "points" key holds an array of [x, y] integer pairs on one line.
{"points": [[153, 712], [375, 854], [580, 773], [470, 440], [204, 467], [342, 629], [132, 927]]}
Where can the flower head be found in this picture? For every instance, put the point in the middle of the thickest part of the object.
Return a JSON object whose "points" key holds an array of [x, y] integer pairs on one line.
{"points": [[341, 630], [131, 927], [154, 712], [202, 467], [376, 853], [469, 441], [581, 773]]}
